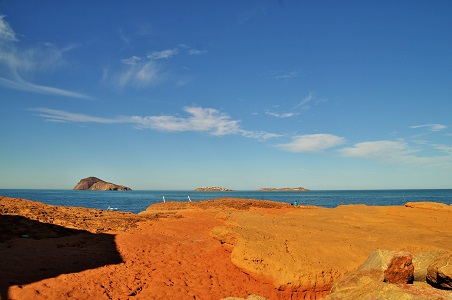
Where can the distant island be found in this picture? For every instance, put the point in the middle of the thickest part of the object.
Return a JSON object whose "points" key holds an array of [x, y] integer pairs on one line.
{"points": [[299, 189], [212, 189], [96, 184]]}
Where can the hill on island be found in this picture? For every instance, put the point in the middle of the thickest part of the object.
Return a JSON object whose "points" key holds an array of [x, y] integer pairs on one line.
{"points": [[94, 183]]}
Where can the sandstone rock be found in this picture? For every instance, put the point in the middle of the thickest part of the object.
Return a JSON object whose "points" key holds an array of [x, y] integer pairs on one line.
{"points": [[400, 269], [376, 277], [94, 183], [422, 261], [362, 286], [225, 235], [439, 273], [393, 266], [429, 205]]}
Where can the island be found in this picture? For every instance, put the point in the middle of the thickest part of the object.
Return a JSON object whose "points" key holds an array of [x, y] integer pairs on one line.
{"points": [[212, 189], [297, 189], [94, 183]]}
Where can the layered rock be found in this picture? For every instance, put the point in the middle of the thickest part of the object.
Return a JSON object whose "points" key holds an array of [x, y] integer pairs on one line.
{"points": [[394, 267], [306, 250], [94, 183], [422, 261], [388, 275], [439, 273]]}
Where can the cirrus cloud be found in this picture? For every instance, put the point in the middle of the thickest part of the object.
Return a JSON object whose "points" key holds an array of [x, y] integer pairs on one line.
{"points": [[198, 119], [312, 143], [17, 62], [384, 150], [430, 127], [143, 71], [400, 152]]}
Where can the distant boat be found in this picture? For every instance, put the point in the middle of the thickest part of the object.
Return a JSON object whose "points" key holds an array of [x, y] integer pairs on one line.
{"points": [[112, 208]]}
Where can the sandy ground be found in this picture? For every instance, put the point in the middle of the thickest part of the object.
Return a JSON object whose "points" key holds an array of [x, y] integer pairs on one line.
{"points": [[205, 250]]}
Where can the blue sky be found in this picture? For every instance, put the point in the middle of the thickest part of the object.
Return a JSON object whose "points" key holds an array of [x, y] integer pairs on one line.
{"points": [[238, 94]]}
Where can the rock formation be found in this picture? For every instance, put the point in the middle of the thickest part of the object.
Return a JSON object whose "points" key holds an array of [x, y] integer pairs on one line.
{"points": [[94, 183], [388, 275], [439, 273]]}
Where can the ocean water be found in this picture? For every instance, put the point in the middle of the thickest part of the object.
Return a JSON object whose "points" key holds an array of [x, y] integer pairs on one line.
{"points": [[136, 201]]}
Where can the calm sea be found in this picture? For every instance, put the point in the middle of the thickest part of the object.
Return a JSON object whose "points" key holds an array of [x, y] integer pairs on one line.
{"points": [[136, 201]]}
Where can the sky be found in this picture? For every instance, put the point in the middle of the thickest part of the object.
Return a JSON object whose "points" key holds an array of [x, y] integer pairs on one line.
{"points": [[159, 95]]}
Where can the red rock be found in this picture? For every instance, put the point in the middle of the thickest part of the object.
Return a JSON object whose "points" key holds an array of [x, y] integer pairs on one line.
{"points": [[400, 269]]}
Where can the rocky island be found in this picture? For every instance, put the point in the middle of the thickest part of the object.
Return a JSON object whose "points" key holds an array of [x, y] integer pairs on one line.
{"points": [[94, 183], [212, 189], [302, 189]]}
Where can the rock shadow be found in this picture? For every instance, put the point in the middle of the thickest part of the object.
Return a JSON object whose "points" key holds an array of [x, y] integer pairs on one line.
{"points": [[31, 251]]}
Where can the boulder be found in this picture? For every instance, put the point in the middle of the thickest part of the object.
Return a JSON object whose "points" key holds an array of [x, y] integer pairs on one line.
{"points": [[377, 278], [439, 273], [400, 269], [392, 266], [422, 261]]}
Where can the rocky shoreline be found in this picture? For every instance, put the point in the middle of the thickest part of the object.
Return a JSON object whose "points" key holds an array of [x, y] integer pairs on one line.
{"points": [[222, 248]]}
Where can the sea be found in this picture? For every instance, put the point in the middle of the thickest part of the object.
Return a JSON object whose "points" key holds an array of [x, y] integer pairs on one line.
{"points": [[137, 201]]}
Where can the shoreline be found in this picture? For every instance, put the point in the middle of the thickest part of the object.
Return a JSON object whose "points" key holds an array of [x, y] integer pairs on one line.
{"points": [[214, 248]]}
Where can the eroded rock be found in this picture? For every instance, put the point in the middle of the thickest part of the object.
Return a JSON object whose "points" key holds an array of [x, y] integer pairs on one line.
{"points": [[384, 276], [422, 261], [439, 273]]}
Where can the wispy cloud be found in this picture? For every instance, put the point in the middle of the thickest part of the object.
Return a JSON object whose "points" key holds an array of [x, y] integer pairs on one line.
{"points": [[400, 152], [305, 103], [198, 119], [430, 127], [147, 70], [164, 54], [23, 85], [382, 150], [285, 75], [282, 115], [196, 52], [137, 71], [54, 115], [312, 143], [7, 34], [16, 63]]}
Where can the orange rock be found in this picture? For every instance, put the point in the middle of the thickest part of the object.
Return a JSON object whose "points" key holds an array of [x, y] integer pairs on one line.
{"points": [[208, 250]]}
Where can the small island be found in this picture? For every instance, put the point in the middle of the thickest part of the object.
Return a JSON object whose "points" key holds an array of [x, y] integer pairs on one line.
{"points": [[96, 184], [295, 189], [212, 189]]}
